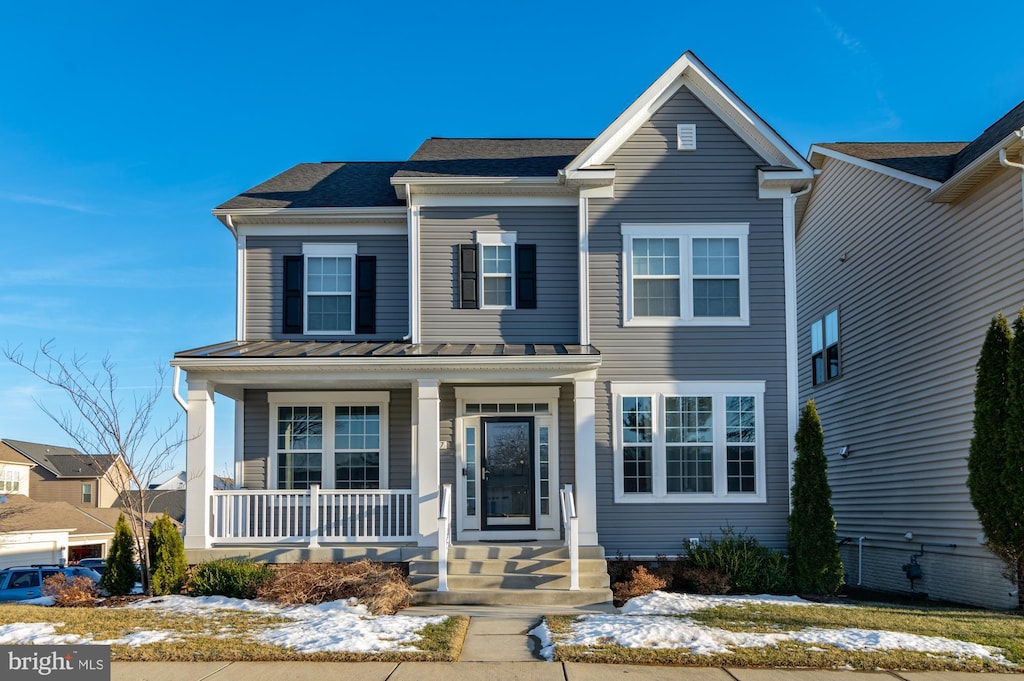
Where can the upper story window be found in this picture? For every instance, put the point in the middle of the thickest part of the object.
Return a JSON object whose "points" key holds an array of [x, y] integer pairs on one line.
{"points": [[336, 440], [10, 479], [690, 442], [497, 259], [685, 274], [825, 348], [86, 493], [496, 272], [329, 290]]}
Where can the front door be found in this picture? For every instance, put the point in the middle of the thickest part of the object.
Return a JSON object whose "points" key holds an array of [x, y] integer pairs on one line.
{"points": [[506, 475]]}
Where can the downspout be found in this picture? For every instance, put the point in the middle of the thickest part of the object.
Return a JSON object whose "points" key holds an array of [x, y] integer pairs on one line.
{"points": [[1006, 163], [174, 389], [860, 560], [792, 371]]}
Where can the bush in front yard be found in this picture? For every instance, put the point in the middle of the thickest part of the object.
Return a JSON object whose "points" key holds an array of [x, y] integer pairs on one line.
{"points": [[231, 577], [70, 592], [383, 589], [166, 557], [640, 583], [120, 576], [699, 580], [750, 567]]}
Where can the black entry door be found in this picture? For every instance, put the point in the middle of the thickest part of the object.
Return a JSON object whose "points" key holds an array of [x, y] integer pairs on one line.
{"points": [[506, 476]]}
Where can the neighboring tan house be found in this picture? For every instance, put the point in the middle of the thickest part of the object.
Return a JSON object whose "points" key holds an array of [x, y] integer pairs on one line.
{"points": [[66, 474], [14, 471], [512, 343], [905, 251], [55, 532]]}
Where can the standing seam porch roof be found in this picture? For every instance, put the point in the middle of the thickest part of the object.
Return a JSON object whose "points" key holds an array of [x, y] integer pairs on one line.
{"points": [[380, 350]]}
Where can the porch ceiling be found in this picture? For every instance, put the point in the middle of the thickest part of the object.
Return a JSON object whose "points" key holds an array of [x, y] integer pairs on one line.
{"points": [[239, 362]]}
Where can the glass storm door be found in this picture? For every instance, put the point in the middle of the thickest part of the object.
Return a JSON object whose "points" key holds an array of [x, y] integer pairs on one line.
{"points": [[506, 475]]}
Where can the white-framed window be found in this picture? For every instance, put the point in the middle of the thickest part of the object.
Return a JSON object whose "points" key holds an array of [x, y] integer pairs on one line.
{"points": [[338, 440], [329, 288], [86, 492], [693, 274], [825, 348], [689, 442], [497, 268], [10, 479]]}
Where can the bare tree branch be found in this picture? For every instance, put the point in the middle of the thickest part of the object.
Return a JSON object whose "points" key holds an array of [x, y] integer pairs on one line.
{"points": [[102, 421]]}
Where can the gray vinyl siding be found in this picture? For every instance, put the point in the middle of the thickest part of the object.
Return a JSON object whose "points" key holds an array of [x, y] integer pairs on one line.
{"points": [[553, 229], [257, 434], [656, 184], [264, 270], [915, 294]]}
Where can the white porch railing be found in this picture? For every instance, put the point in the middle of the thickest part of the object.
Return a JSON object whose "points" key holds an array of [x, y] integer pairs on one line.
{"points": [[444, 536], [311, 516], [571, 526]]}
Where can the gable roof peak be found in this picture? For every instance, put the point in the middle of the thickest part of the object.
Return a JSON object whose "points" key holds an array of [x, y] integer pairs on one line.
{"points": [[691, 72]]}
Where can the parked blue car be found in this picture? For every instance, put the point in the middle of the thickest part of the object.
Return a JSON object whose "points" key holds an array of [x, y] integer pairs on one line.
{"points": [[24, 583]]}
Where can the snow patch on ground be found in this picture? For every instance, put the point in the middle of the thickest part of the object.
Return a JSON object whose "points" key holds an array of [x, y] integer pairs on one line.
{"points": [[644, 624], [662, 603]]}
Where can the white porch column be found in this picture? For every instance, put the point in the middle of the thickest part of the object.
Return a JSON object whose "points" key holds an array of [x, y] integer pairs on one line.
{"points": [[426, 460], [586, 461], [198, 464]]}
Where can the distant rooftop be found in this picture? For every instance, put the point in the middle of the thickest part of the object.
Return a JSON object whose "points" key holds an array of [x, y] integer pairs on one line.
{"points": [[65, 462]]}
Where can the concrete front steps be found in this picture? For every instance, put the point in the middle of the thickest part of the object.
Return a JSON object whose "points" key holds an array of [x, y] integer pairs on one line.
{"points": [[511, 574]]}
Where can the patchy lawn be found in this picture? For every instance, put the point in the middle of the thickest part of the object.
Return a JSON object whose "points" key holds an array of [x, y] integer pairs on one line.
{"points": [[680, 629], [216, 628]]}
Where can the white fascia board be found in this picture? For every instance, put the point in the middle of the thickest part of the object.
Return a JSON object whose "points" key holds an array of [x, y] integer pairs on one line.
{"points": [[871, 165], [940, 194], [412, 182], [498, 200], [688, 70], [228, 215], [358, 229]]}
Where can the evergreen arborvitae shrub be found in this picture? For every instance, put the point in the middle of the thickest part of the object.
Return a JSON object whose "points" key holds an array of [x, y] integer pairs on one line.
{"points": [[167, 566], [1008, 541], [119, 577], [813, 554], [987, 460]]}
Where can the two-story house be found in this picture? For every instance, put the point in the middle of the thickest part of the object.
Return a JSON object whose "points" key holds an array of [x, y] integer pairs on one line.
{"points": [[905, 251], [64, 473], [504, 344]]}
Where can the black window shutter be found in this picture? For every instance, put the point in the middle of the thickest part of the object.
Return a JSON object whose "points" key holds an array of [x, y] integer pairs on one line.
{"points": [[468, 285], [292, 308], [366, 294], [526, 276]]}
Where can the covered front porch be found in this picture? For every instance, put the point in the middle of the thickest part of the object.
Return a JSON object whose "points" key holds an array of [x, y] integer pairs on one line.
{"points": [[439, 410]]}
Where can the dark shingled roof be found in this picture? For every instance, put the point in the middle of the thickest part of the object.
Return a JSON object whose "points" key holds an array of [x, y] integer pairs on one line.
{"points": [[64, 462], [1013, 120], [527, 157], [22, 514], [933, 160], [353, 184]]}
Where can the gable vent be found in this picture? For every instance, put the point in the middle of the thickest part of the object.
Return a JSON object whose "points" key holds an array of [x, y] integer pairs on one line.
{"points": [[686, 136]]}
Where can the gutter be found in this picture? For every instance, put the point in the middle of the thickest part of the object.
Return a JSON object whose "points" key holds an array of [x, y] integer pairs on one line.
{"points": [[174, 389], [939, 194]]}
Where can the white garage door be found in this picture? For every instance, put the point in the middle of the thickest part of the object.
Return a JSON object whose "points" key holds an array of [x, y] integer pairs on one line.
{"points": [[29, 553]]}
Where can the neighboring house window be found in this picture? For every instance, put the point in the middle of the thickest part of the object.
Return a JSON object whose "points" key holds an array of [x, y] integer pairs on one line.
{"points": [[336, 440], [825, 348], [10, 479], [689, 442], [86, 492], [329, 289], [496, 272], [685, 274]]}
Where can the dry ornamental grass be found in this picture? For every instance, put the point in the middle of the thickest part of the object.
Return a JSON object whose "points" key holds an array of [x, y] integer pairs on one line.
{"points": [[383, 589]]}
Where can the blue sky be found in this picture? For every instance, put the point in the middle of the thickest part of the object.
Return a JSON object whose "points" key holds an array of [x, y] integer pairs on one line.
{"points": [[123, 124]]}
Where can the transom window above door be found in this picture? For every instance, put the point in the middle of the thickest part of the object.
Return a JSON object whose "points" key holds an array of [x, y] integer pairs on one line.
{"points": [[685, 274]]}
